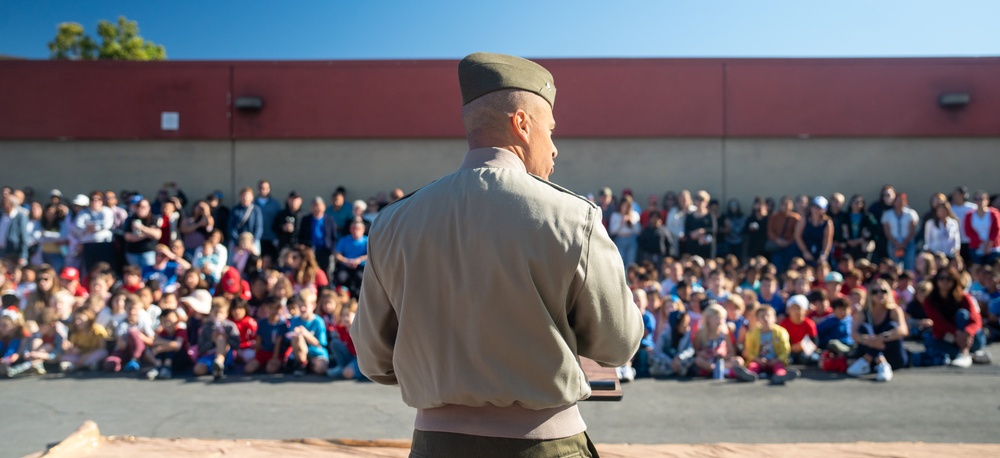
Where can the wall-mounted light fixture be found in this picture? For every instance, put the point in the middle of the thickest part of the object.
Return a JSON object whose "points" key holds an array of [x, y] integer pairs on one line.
{"points": [[953, 100], [249, 103]]}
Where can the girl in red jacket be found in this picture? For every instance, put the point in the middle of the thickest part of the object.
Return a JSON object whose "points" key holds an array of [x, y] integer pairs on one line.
{"points": [[957, 330]]}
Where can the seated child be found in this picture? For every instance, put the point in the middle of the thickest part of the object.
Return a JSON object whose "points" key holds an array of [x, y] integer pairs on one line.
{"points": [[801, 331], [834, 333], [735, 321], [132, 279], [673, 354], [12, 335], [819, 306], [270, 349], [248, 330], [713, 352], [88, 342], [307, 337], [170, 348], [767, 347], [916, 317], [343, 347], [217, 340], [46, 344], [639, 366], [131, 336]]}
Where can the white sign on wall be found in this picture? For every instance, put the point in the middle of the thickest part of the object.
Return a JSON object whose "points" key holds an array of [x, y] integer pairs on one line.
{"points": [[170, 120]]}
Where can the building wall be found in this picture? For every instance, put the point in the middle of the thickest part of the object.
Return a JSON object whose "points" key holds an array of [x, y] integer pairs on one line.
{"points": [[737, 167]]}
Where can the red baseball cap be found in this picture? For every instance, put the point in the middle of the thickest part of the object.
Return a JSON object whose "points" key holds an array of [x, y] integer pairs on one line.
{"points": [[69, 273]]}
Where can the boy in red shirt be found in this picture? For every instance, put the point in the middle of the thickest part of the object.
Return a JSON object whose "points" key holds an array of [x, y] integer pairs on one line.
{"points": [[801, 331], [248, 330], [819, 306]]}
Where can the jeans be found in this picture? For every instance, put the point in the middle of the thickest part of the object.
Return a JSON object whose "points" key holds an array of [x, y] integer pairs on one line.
{"points": [[894, 353], [627, 247], [782, 257], [908, 257], [939, 347], [978, 257], [56, 260], [141, 259]]}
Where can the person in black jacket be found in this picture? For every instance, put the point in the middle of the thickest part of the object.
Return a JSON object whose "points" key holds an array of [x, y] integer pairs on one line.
{"points": [[288, 222]]}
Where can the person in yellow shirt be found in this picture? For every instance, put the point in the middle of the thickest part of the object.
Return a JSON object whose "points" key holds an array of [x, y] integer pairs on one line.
{"points": [[767, 348], [87, 342]]}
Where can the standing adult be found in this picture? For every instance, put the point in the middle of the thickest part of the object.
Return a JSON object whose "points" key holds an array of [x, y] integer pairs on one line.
{"points": [[858, 230], [781, 234], [319, 232], [269, 208], [941, 233], [555, 277], [814, 233], [196, 227], [246, 217], [900, 225], [982, 228], [288, 223], [700, 228], [142, 235], [756, 229], [735, 223], [14, 231], [960, 206], [886, 198], [675, 222], [351, 256], [93, 231], [606, 202], [624, 230], [339, 209]]}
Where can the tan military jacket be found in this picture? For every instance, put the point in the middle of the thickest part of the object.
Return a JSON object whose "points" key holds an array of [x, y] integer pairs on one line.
{"points": [[483, 287]]}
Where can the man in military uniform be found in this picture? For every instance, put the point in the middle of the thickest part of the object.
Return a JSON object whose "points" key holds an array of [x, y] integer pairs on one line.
{"points": [[484, 287]]}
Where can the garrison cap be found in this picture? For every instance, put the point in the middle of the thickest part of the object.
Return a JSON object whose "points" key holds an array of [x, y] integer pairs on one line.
{"points": [[483, 72]]}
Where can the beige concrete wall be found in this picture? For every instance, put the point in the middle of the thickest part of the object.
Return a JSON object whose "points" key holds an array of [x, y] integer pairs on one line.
{"points": [[78, 167], [726, 168]]}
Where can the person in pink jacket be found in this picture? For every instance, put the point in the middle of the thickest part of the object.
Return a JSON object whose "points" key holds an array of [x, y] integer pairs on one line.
{"points": [[983, 228]]}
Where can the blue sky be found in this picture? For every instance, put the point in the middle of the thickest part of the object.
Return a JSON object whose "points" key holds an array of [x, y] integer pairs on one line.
{"points": [[343, 29]]}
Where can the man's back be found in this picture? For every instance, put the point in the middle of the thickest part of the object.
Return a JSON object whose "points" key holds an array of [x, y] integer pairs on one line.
{"points": [[484, 269]]}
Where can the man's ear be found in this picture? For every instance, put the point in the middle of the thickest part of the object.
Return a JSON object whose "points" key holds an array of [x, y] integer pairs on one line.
{"points": [[519, 124]]}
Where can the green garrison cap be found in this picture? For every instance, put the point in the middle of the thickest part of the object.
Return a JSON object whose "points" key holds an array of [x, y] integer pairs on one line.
{"points": [[483, 72]]}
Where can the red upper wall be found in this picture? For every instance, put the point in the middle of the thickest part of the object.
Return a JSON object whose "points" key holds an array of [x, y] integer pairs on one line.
{"points": [[420, 99]]}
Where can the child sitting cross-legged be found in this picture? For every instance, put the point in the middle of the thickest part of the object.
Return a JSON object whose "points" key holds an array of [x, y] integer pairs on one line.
{"points": [[271, 351], [248, 330], [131, 337], [343, 347], [767, 347], [307, 337], [217, 338], [801, 331], [713, 351], [88, 341], [170, 348]]}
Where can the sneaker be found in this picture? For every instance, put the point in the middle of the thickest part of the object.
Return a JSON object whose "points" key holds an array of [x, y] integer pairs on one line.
{"points": [[962, 361], [789, 375], [66, 366], [217, 369], [982, 357], [165, 373], [131, 366], [838, 347], [629, 373], [18, 369], [743, 374], [883, 372], [152, 374], [299, 372], [859, 368], [36, 368]]}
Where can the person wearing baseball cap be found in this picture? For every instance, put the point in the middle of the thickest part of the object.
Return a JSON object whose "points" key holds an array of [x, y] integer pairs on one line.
{"points": [[497, 213]]}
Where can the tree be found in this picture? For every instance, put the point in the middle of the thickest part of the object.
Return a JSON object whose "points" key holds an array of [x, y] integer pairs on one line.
{"points": [[119, 41]]}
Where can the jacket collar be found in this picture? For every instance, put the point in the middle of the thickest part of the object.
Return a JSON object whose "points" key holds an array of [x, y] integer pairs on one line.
{"points": [[492, 157]]}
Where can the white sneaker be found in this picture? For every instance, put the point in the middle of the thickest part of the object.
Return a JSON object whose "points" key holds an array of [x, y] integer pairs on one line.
{"points": [[625, 373], [962, 361], [152, 374], [883, 372], [859, 368]]}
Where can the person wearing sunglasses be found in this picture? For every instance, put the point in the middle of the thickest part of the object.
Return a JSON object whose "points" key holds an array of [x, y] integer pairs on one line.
{"points": [[879, 330], [956, 335]]}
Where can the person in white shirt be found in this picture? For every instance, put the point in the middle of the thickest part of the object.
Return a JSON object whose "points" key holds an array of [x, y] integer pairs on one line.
{"points": [[900, 225], [624, 229], [941, 232], [92, 228]]}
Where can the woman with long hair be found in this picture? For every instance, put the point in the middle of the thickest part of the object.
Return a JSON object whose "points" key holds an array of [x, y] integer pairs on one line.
{"points": [[701, 228], [957, 331], [624, 229], [756, 229], [859, 229], [304, 271], [196, 227], [982, 226], [879, 330], [46, 287], [941, 232], [53, 240], [142, 230]]}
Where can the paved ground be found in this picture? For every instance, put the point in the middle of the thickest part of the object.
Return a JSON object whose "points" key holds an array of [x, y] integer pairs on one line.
{"points": [[929, 404]]}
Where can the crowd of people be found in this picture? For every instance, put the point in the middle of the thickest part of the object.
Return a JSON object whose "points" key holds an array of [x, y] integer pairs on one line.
{"points": [[164, 286], [808, 281]]}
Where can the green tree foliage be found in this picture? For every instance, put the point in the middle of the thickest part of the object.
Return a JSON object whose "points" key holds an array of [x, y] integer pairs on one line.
{"points": [[119, 41]]}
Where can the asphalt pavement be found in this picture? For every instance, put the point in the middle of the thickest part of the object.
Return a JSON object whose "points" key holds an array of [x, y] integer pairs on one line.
{"points": [[939, 404]]}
